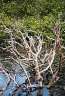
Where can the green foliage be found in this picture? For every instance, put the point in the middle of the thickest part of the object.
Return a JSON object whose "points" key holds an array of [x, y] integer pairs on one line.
{"points": [[5, 20], [38, 15], [31, 23], [2, 35]]}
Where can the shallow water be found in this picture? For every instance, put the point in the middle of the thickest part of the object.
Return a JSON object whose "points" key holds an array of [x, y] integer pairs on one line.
{"points": [[10, 88], [45, 91], [20, 79], [3, 81]]}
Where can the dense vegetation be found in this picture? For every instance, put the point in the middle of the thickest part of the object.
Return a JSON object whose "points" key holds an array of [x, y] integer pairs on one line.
{"points": [[35, 17], [39, 15]]}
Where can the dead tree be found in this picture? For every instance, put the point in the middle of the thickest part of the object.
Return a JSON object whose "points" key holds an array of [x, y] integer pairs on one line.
{"points": [[33, 46]]}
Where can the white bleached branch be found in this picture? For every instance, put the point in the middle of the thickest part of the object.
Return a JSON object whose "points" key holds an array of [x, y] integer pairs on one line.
{"points": [[50, 62]]}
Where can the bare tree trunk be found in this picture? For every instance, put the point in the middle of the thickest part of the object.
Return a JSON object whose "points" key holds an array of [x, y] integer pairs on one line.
{"points": [[38, 75]]}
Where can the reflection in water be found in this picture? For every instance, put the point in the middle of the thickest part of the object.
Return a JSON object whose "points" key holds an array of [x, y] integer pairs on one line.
{"points": [[9, 90], [3, 81], [20, 79], [45, 91], [34, 93]]}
